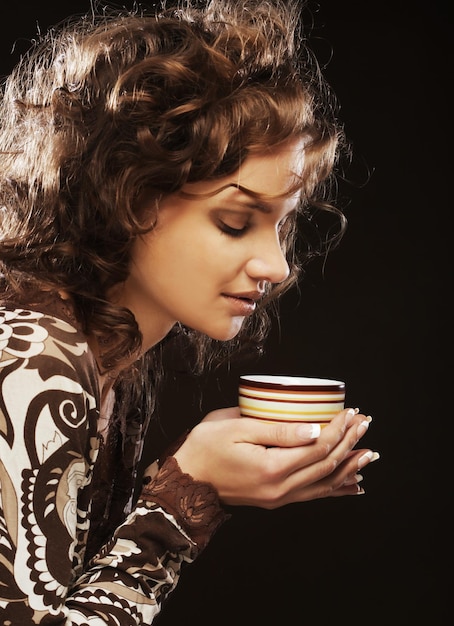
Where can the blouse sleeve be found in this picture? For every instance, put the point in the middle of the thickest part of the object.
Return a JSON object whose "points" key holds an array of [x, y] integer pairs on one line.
{"points": [[48, 448], [172, 522]]}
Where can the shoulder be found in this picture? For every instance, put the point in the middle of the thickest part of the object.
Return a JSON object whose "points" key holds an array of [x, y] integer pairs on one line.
{"points": [[28, 332], [48, 381], [36, 340]]}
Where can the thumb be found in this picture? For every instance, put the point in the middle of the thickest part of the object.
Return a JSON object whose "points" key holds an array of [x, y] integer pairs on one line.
{"points": [[279, 434]]}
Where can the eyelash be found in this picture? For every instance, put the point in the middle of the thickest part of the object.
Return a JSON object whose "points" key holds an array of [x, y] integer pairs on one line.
{"points": [[233, 232], [238, 232]]}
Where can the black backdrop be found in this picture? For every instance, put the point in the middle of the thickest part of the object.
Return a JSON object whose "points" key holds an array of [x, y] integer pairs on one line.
{"points": [[376, 317]]}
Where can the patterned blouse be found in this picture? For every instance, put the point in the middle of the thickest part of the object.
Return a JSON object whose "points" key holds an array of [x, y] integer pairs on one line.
{"points": [[74, 549]]}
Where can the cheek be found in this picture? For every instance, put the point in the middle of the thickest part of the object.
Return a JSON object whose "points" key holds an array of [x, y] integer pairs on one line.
{"points": [[181, 266], [198, 250], [187, 256]]}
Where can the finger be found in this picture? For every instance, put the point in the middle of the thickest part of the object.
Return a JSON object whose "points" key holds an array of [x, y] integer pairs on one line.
{"points": [[288, 435], [286, 454], [350, 486], [339, 437], [353, 480], [348, 490], [277, 434], [315, 479], [343, 481]]}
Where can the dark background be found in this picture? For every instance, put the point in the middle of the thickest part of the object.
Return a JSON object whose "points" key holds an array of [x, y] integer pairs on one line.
{"points": [[377, 316]]}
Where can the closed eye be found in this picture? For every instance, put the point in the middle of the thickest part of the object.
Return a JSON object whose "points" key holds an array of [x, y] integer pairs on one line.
{"points": [[231, 231], [233, 223]]}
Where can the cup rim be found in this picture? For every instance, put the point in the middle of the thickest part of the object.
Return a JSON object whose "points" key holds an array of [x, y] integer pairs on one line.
{"points": [[292, 383]]}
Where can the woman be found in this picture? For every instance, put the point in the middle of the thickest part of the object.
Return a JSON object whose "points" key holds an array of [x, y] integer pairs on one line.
{"points": [[152, 172]]}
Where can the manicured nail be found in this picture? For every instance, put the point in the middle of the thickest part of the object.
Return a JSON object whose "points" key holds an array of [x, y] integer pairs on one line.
{"points": [[360, 491], [308, 431], [363, 426], [349, 416], [357, 478], [367, 457]]}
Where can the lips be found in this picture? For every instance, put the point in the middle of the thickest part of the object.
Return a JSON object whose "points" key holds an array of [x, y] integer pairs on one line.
{"points": [[242, 304]]}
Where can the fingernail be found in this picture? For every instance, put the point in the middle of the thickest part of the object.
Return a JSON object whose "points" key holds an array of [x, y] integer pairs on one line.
{"points": [[367, 457], [308, 431], [349, 416], [363, 426], [360, 491], [357, 478]]}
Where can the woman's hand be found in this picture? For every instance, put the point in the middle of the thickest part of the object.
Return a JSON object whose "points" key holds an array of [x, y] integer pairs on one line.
{"points": [[255, 463]]}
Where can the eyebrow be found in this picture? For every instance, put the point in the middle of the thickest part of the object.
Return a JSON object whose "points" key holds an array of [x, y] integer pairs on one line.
{"points": [[259, 205]]}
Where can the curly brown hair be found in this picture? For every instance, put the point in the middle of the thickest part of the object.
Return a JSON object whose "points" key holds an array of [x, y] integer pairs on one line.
{"points": [[110, 106]]}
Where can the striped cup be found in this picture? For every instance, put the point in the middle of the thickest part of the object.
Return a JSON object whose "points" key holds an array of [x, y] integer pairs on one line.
{"points": [[290, 398]]}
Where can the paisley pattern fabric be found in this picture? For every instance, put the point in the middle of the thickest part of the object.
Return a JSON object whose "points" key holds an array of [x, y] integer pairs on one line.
{"points": [[54, 499]]}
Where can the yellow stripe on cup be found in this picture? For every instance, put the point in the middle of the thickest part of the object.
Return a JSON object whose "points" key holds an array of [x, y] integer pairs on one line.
{"points": [[290, 398]]}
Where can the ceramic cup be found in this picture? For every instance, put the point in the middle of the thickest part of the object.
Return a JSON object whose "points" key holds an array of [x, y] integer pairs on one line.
{"points": [[290, 398]]}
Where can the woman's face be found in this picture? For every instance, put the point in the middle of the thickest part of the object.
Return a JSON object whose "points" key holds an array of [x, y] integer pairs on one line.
{"points": [[208, 259]]}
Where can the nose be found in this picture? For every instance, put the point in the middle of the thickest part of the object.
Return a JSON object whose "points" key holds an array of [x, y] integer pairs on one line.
{"points": [[267, 261]]}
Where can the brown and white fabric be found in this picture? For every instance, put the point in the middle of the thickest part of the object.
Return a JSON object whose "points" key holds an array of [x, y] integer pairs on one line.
{"points": [[73, 549]]}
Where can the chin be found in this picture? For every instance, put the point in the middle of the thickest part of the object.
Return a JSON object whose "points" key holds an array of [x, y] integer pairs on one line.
{"points": [[226, 334], [220, 332]]}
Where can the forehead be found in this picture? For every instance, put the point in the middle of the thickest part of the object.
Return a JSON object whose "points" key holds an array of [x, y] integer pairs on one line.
{"points": [[273, 173], [286, 159]]}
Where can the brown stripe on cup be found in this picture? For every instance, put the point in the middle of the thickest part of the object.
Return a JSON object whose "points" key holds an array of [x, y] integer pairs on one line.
{"points": [[290, 398]]}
